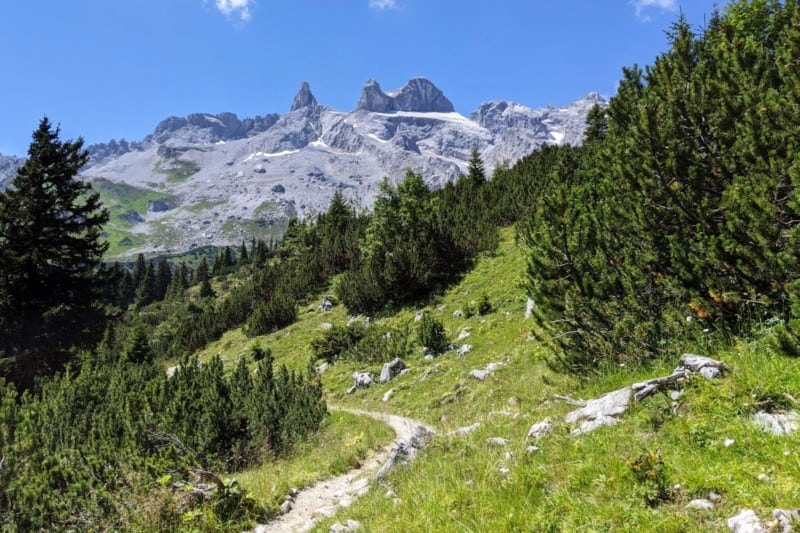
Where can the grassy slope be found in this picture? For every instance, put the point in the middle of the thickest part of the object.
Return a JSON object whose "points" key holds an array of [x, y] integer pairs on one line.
{"points": [[572, 483]]}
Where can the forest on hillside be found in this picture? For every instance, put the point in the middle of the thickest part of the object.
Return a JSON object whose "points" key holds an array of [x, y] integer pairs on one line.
{"points": [[676, 218]]}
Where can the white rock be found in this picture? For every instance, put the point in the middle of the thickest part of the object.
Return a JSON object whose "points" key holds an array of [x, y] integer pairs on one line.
{"points": [[700, 504], [465, 430], [463, 334], [529, 306], [778, 423], [601, 411], [786, 518], [497, 441], [480, 375], [419, 316], [464, 350], [714, 497], [286, 506], [388, 395], [531, 450], [458, 313], [745, 522], [351, 525], [728, 443], [540, 429], [504, 471]]}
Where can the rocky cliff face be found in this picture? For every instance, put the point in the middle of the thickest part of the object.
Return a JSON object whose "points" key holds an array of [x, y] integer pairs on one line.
{"points": [[225, 178]]}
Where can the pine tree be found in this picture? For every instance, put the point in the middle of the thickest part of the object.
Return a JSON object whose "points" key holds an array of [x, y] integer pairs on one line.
{"points": [[476, 174], [50, 237]]}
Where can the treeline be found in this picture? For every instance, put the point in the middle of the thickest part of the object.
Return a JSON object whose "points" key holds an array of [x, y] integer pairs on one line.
{"points": [[678, 216]]}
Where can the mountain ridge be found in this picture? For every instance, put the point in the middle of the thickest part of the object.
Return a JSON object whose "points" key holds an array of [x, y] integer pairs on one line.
{"points": [[224, 179]]}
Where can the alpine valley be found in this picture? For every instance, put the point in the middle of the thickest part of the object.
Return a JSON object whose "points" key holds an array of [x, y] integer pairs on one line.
{"points": [[210, 179]]}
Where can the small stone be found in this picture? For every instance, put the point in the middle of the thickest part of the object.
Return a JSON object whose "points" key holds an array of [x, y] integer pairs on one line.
{"points": [[325, 326], [388, 395], [786, 519], [530, 450], [390, 494], [351, 390], [763, 477], [286, 506], [465, 430], [428, 357], [480, 375], [419, 316], [322, 368], [440, 308], [464, 350], [728, 443], [540, 429], [458, 313], [700, 504], [504, 471], [497, 441], [463, 334], [714, 497], [293, 492], [529, 306], [676, 395], [509, 456]]}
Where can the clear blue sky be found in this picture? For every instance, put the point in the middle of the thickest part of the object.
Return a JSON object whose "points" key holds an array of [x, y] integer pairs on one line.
{"points": [[108, 69]]}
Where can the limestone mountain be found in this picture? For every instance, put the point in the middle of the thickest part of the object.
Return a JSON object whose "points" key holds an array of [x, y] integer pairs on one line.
{"points": [[218, 179]]}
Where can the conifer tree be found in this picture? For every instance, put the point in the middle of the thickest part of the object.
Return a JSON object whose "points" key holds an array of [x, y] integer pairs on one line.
{"points": [[50, 256]]}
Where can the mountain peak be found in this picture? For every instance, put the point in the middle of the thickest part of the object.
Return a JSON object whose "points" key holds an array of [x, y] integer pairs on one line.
{"points": [[374, 99], [303, 98], [418, 94]]}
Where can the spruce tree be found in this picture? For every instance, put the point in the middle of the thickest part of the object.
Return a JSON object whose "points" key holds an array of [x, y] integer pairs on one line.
{"points": [[51, 250]]}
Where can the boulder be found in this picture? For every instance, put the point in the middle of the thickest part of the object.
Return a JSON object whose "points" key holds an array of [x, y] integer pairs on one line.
{"points": [[279, 189], [391, 369]]}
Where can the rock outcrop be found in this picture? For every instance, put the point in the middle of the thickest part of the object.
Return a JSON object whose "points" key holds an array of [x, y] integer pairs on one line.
{"points": [[304, 98]]}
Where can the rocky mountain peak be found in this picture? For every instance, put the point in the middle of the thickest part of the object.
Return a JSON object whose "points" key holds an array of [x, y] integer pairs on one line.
{"points": [[374, 99], [303, 98], [421, 95]]}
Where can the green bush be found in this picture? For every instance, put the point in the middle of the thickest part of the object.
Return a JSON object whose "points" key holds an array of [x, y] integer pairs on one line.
{"points": [[431, 334], [337, 340]]}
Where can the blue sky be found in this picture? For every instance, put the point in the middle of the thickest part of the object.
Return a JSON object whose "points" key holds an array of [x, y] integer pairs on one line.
{"points": [[108, 69]]}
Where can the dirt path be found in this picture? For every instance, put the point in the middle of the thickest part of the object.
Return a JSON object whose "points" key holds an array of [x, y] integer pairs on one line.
{"points": [[323, 499]]}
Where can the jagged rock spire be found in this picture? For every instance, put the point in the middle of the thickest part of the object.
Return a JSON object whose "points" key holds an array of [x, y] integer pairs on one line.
{"points": [[303, 98], [374, 99]]}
